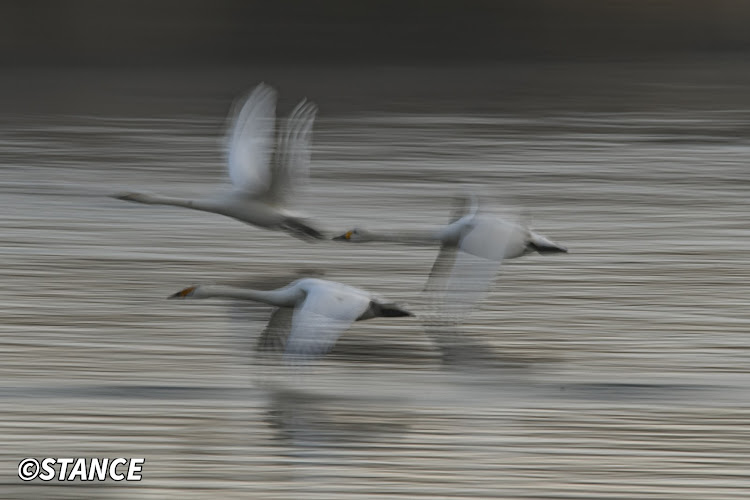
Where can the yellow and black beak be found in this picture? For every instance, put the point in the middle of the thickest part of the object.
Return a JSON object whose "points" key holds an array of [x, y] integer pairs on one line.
{"points": [[183, 293], [344, 237]]}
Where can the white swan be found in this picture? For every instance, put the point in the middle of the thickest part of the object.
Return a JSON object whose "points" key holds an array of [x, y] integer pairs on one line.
{"points": [[314, 312], [263, 179], [478, 234], [472, 247]]}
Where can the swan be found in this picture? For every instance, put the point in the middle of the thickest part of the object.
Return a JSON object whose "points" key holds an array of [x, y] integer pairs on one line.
{"points": [[262, 179], [479, 234], [472, 247], [311, 313]]}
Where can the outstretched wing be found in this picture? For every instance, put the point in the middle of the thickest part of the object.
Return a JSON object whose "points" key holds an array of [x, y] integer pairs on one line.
{"points": [[291, 165], [326, 313], [250, 141]]}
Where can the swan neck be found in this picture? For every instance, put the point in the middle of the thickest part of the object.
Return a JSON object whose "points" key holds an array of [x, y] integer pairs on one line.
{"points": [[279, 298], [413, 236], [179, 202]]}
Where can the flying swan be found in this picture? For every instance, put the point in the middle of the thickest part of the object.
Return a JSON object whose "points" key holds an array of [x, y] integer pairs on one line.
{"points": [[470, 231], [263, 179], [314, 311], [472, 247]]}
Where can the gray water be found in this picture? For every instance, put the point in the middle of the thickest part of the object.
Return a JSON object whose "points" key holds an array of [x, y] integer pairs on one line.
{"points": [[619, 370]]}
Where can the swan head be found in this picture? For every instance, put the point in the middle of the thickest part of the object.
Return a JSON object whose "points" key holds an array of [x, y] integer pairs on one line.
{"points": [[391, 310], [378, 309], [355, 235], [184, 293], [135, 197], [543, 245]]}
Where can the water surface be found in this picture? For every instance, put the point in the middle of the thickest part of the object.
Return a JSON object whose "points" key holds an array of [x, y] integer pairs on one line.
{"points": [[617, 371]]}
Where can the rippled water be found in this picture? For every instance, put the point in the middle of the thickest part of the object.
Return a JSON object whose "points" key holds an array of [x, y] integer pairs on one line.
{"points": [[619, 370]]}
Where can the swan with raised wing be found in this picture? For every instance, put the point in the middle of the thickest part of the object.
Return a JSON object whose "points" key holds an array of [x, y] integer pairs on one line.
{"points": [[263, 178]]}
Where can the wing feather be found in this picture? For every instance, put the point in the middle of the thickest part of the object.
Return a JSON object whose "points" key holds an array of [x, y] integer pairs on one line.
{"points": [[291, 164], [251, 141], [468, 283], [276, 333], [441, 269]]}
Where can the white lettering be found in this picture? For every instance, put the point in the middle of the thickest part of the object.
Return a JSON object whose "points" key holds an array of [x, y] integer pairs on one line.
{"points": [[113, 469], [64, 462], [79, 470], [98, 467], [136, 465], [48, 468]]}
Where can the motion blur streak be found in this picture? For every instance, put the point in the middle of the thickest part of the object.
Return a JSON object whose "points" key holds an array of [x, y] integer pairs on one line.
{"points": [[619, 370]]}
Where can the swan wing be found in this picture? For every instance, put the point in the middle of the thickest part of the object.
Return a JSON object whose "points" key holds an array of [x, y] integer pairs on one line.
{"points": [[326, 313], [441, 269], [463, 205], [250, 141], [274, 337], [291, 165], [468, 283], [482, 248]]}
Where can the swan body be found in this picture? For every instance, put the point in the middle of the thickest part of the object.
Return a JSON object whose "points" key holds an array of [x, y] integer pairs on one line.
{"points": [[321, 311], [263, 178]]}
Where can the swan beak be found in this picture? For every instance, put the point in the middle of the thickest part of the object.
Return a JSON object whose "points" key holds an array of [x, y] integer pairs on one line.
{"points": [[545, 249], [183, 293], [126, 196], [344, 237], [394, 311], [545, 246]]}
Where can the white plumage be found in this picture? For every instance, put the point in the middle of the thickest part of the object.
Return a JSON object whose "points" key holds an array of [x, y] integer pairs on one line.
{"points": [[264, 173], [322, 311], [472, 247]]}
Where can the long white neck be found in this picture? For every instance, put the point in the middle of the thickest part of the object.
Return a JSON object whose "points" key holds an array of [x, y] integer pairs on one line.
{"points": [[284, 297], [157, 199], [410, 237]]}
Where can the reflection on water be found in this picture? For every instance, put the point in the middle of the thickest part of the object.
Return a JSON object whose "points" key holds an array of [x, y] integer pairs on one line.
{"points": [[616, 371]]}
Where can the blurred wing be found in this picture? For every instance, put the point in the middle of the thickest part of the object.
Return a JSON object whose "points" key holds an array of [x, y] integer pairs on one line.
{"points": [[464, 205], [476, 266], [291, 166], [469, 283], [441, 269], [276, 333], [251, 141], [325, 314]]}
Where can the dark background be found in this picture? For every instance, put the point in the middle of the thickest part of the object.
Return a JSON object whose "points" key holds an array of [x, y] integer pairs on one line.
{"points": [[173, 32]]}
